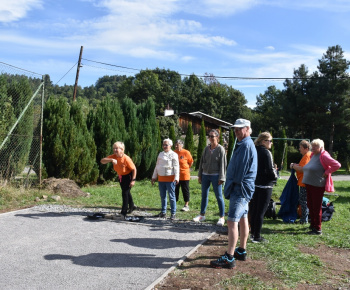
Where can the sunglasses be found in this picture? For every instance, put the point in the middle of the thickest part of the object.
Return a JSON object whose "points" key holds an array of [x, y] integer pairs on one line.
{"points": [[211, 136], [270, 141]]}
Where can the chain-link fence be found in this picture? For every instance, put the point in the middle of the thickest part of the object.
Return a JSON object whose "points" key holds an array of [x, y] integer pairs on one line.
{"points": [[21, 110]]}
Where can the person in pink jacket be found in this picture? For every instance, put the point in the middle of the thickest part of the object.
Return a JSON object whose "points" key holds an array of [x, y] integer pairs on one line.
{"points": [[317, 179]]}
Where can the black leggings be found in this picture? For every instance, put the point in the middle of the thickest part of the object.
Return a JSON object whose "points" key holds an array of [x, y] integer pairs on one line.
{"points": [[127, 198], [185, 187], [257, 208]]}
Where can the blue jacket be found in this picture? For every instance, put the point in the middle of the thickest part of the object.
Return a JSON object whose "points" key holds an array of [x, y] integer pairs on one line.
{"points": [[241, 171]]}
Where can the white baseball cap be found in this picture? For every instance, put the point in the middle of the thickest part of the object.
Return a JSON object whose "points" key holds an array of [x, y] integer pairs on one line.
{"points": [[240, 123]]}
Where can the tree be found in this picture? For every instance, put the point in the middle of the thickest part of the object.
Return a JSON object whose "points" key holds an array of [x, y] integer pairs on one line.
{"points": [[107, 126], [268, 113], [68, 147], [192, 88], [85, 167], [148, 133], [172, 136], [189, 144], [231, 142], [221, 139], [15, 96], [59, 132], [335, 84], [165, 122], [202, 143]]}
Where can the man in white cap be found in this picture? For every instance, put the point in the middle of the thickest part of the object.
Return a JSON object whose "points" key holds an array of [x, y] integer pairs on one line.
{"points": [[239, 189]]}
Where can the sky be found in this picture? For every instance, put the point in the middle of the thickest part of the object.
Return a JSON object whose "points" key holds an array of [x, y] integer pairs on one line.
{"points": [[228, 39]]}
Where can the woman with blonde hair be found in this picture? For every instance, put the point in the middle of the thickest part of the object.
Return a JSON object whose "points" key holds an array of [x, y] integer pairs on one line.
{"points": [[126, 170], [265, 179]]}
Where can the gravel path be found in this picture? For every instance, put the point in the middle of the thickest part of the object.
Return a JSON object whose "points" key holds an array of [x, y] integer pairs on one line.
{"points": [[57, 247]]}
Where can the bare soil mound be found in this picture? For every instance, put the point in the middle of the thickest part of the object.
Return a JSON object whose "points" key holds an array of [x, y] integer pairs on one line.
{"points": [[63, 187]]}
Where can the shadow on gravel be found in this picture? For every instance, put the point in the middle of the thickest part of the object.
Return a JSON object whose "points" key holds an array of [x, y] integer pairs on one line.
{"points": [[115, 260], [158, 243]]}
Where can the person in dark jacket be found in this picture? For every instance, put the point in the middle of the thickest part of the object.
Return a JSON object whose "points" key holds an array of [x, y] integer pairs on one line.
{"points": [[265, 179]]}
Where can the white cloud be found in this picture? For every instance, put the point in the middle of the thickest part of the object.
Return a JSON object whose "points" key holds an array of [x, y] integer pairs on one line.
{"points": [[270, 47], [12, 10]]}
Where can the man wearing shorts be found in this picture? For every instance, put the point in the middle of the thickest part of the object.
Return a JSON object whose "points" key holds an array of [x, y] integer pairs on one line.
{"points": [[239, 189]]}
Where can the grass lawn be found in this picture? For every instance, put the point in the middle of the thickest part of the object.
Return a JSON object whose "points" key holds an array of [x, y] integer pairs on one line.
{"points": [[282, 254]]}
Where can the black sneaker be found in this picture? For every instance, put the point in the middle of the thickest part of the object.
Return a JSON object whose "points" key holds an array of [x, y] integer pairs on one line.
{"points": [[172, 217], [315, 232], [132, 209], [161, 215], [223, 262], [240, 254], [260, 240]]}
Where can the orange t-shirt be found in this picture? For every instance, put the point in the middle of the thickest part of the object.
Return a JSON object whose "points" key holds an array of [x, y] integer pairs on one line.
{"points": [[124, 165], [305, 160], [185, 161]]}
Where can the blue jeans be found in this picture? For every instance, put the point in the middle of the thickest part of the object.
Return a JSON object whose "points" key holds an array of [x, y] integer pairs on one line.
{"points": [[163, 188], [213, 179]]}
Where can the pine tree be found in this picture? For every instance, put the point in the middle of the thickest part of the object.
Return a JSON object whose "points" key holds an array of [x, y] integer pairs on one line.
{"points": [[108, 127], [189, 144], [58, 134], [202, 143], [148, 138], [231, 142], [85, 169]]}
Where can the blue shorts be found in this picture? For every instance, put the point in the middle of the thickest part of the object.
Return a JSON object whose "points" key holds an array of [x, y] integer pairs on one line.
{"points": [[238, 208]]}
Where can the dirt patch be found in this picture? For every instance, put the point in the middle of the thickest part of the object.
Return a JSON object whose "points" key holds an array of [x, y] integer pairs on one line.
{"points": [[195, 272], [337, 262], [63, 187]]}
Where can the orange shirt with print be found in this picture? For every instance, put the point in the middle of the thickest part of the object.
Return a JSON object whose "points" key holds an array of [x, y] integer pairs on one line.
{"points": [[185, 161], [305, 160], [124, 165]]}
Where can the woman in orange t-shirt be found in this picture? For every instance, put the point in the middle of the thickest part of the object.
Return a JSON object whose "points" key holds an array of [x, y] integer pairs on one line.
{"points": [[126, 170], [304, 149], [185, 161]]}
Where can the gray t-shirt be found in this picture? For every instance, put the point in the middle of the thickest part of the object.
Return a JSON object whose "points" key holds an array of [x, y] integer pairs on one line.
{"points": [[313, 172]]}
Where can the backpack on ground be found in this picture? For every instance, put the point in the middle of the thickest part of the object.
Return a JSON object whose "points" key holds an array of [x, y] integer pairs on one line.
{"points": [[271, 210]]}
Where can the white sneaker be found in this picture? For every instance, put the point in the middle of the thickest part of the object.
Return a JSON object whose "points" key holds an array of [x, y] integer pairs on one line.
{"points": [[185, 208], [199, 218], [221, 222]]}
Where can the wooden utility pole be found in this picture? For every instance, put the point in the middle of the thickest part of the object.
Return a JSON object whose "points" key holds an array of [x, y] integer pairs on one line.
{"points": [[77, 76]]}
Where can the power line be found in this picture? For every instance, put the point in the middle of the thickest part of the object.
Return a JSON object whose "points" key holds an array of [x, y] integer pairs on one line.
{"points": [[84, 64], [218, 77], [22, 69], [66, 73], [111, 64]]}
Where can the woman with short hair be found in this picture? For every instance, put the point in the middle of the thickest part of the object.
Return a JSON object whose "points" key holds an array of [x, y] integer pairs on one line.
{"points": [[126, 170], [167, 171], [212, 170], [304, 149], [185, 161]]}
